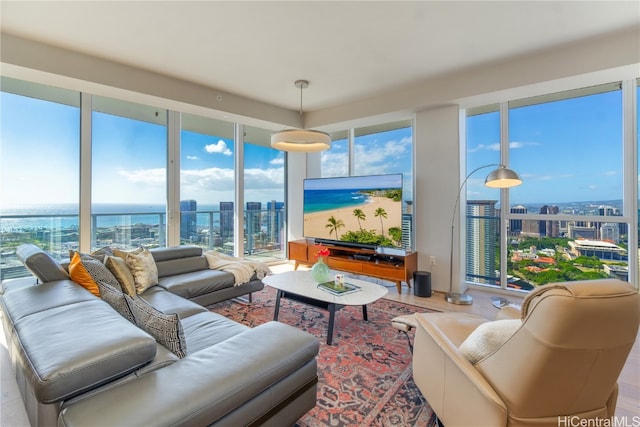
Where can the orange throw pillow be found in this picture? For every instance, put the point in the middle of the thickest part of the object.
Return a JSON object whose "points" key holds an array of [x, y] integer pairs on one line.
{"points": [[81, 276]]}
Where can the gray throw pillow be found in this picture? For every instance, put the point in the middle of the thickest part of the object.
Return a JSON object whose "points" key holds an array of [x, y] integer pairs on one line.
{"points": [[165, 328]]}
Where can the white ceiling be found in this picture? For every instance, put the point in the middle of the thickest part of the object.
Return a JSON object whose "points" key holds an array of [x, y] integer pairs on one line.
{"points": [[348, 50]]}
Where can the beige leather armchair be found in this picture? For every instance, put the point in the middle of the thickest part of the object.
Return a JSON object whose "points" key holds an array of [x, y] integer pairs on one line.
{"points": [[562, 361]]}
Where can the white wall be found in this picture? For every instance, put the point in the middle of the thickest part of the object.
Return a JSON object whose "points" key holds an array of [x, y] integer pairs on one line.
{"points": [[437, 178]]}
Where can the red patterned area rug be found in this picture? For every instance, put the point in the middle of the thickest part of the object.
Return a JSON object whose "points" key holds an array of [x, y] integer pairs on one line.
{"points": [[365, 377]]}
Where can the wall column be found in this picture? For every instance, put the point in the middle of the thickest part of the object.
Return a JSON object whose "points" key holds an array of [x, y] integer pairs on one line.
{"points": [[437, 179]]}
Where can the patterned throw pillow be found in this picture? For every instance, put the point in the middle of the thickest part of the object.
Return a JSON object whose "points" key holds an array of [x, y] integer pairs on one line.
{"points": [[86, 271], [165, 328], [115, 299], [118, 267]]}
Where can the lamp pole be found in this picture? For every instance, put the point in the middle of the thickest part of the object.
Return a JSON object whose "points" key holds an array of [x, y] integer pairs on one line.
{"points": [[457, 297]]}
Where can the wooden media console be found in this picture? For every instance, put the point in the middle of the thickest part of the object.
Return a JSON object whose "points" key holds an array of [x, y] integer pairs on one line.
{"points": [[394, 268]]}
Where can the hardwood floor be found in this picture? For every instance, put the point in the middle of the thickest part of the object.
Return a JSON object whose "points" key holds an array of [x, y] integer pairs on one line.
{"points": [[12, 413]]}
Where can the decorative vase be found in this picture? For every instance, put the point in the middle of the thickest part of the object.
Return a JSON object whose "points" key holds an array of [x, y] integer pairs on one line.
{"points": [[320, 271]]}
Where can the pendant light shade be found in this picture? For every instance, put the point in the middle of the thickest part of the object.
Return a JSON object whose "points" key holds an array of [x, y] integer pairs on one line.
{"points": [[301, 140], [309, 141]]}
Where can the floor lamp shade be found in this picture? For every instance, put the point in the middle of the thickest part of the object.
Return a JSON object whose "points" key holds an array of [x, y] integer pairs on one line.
{"points": [[502, 177]]}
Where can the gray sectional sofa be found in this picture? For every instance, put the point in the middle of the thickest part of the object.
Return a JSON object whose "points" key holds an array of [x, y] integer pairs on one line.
{"points": [[79, 362]]}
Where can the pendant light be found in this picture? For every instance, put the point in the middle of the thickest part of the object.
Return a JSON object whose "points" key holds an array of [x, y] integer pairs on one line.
{"points": [[301, 140]]}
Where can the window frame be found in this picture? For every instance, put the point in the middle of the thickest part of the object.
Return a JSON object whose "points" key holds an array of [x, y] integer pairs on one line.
{"points": [[631, 195]]}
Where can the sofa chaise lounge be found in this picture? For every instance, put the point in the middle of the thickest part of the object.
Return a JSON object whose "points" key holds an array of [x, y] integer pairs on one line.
{"points": [[79, 362]]}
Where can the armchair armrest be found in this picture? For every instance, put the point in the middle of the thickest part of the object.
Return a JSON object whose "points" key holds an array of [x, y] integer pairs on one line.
{"points": [[452, 386]]}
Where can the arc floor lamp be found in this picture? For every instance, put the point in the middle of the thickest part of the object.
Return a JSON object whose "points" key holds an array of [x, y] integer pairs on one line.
{"points": [[502, 177]]}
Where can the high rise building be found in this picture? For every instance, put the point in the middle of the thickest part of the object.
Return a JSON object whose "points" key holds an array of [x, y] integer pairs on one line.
{"points": [[226, 222], [482, 237], [549, 228], [253, 224], [275, 210], [188, 219], [515, 225]]}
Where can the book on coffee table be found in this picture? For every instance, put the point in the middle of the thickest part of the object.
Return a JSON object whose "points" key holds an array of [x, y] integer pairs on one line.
{"points": [[332, 288]]}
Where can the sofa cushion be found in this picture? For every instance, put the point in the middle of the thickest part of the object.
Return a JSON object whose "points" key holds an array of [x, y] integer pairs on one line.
{"points": [[115, 298], [118, 267], [171, 267], [167, 302], [165, 328], [33, 299], [207, 329], [196, 283], [40, 263], [175, 252], [73, 348]]}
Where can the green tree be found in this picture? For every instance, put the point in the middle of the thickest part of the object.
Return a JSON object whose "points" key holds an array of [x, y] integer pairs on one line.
{"points": [[334, 225], [360, 215], [380, 213]]}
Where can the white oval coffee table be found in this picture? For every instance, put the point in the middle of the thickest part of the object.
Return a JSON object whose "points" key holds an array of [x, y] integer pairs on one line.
{"points": [[300, 286]]}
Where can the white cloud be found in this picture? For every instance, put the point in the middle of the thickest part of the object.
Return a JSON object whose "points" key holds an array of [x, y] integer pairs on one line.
{"points": [[277, 161], [219, 147], [514, 145], [192, 157], [145, 176], [485, 147]]}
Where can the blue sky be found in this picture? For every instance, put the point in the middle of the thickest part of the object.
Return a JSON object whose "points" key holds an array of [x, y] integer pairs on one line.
{"points": [[567, 150]]}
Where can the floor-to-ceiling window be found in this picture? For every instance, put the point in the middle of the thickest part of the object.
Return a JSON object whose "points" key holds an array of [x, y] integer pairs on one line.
{"points": [[39, 170], [483, 204], [566, 221], [335, 161], [264, 196], [207, 183], [53, 192], [381, 149], [129, 174]]}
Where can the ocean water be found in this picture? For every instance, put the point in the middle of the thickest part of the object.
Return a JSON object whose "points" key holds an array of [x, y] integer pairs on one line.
{"points": [[65, 216], [323, 200]]}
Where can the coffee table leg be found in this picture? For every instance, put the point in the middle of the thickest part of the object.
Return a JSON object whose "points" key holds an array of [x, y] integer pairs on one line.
{"points": [[332, 316], [364, 312], [278, 295]]}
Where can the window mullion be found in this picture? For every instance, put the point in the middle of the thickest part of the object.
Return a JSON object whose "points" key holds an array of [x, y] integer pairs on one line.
{"points": [[630, 173], [504, 193], [173, 180], [85, 238]]}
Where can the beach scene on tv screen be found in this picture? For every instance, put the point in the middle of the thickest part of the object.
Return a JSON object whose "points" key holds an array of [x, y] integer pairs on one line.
{"points": [[365, 210]]}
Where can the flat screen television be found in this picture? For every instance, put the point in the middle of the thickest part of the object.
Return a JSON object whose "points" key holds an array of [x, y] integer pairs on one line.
{"points": [[361, 211]]}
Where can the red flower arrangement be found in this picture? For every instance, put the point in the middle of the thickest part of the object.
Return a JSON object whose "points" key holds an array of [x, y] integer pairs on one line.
{"points": [[322, 251]]}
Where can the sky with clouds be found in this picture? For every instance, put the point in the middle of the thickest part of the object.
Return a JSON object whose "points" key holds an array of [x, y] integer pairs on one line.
{"points": [[565, 151], [568, 150]]}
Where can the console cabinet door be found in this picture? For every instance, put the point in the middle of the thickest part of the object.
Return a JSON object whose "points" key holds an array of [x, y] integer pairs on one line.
{"points": [[299, 252]]}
